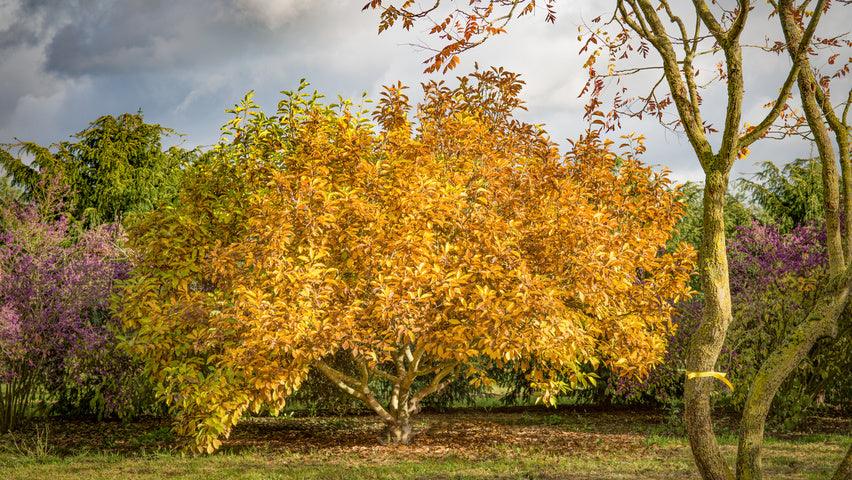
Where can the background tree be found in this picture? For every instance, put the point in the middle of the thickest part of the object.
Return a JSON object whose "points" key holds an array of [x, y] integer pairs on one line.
{"points": [[788, 196], [707, 28], [828, 124], [115, 166], [415, 250], [8, 193]]}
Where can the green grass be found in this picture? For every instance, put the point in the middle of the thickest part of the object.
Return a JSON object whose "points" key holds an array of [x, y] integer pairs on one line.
{"points": [[457, 445], [253, 466]]}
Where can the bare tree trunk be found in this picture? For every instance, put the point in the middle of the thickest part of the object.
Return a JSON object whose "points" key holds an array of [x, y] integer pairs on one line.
{"points": [[821, 322], [403, 402], [399, 431], [706, 344], [844, 470], [15, 398]]}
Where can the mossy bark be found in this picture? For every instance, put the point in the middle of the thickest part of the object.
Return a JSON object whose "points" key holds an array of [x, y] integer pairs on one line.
{"points": [[707, 342], [822, 320]]}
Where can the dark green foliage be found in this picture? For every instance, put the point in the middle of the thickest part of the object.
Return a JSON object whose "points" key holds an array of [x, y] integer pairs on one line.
{"points": [[789, 196], [317, 395], [826, 377], [115, 166], [106, 383], [8, 193], [20, 173], [460, 392]]}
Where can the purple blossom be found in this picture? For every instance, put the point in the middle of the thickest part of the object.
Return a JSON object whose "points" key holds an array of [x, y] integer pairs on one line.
{"points": [[10, 335], [760, 255], [773, 279], [55, 284]]}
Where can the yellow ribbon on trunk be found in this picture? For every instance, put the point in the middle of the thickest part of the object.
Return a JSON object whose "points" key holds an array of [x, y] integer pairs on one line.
{"points": [[717, 375]]}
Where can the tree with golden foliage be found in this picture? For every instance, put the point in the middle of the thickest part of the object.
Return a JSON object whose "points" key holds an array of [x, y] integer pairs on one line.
{"points": [[418, 246], [673, 42]]}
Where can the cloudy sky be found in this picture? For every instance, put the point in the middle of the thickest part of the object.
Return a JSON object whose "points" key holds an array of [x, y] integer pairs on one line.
{"points": [[183, 62]]}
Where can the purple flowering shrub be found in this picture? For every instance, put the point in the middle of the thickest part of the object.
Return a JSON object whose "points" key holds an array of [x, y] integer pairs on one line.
{"points": [[774, 277], [56, 335]]}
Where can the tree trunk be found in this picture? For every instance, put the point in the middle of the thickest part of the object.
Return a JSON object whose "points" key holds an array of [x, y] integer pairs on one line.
{"points": [[844, 470], [821, 322], [399, 431], [823, 319], [15, 397], [403, 402], [706, 344]]}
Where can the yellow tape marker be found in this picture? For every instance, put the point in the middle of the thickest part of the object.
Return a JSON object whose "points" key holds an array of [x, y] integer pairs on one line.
{"points": [[717, 375]]}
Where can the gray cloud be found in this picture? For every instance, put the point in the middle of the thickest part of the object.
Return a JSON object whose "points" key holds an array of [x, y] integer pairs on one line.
{"points": [[63, 63], [144, 37], [17, 34]]}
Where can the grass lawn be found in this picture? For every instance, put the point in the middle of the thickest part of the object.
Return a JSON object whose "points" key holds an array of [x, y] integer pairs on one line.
{"points": [[500, 443]]}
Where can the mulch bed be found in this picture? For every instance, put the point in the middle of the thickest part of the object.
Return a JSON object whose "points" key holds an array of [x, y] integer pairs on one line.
{"points": [[464, 433]]}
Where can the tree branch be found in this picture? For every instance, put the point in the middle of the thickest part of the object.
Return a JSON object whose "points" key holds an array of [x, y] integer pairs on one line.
{"points": [[361, 391], [437, 383], [710, 21], [801, 50], [740, 20], [689, 113]]}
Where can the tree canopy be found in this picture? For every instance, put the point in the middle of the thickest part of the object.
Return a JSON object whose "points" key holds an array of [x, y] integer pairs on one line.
{"points": [[416, 245], [682, 35], [115, 166]]}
